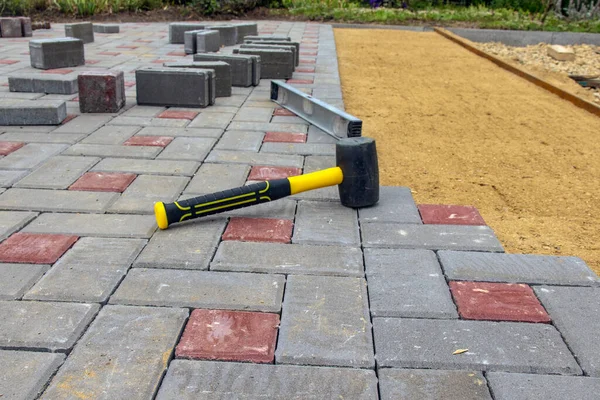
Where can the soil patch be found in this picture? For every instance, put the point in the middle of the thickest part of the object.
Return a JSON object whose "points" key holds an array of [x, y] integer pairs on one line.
{"points": [[457, 129]]}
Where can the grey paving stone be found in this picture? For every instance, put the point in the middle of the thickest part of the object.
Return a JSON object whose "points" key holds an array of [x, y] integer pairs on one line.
{"points": [[396, 204], [143, 111], [305, 149], [143, 121], [41, 137], [407, 283], [398, 384], [31, 155], [325, 321], [231, 101], [106, 28], [177, 30], [187, 380], [283, 209], [241, 141], [123, 355], [111, 135], [576, 313], [183, 148], [105, 150], [56, 200], [89, 271], [81, 30], [12, 221], [492, 346], [325, 223], [140, 196], [84, 124], [157, 86], [7, 178], [18, 278], [176, 132], [433, 237], [211, 120], [57, 84], [268, 127], [507, 386], [212, 178], [32, 112], [152, 167], [99, 225], [517, 268], [188, 245], [25, 374], [251, 158], [59, 172], [201, 289], [43, 325], [254, 114], [288, 259]]}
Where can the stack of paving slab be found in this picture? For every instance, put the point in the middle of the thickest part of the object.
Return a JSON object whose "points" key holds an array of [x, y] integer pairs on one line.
{"points": [[15, 27], [279, 55]]}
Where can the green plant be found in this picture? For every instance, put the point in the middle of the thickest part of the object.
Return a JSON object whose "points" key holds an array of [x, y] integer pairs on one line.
{"points": [[64, 6]]}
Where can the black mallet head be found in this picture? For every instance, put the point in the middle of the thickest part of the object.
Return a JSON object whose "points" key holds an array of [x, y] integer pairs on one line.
{"points": [[357, 158]]}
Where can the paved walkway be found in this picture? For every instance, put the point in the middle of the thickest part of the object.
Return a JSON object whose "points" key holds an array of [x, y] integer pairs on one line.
{"points": [[298, 299]]}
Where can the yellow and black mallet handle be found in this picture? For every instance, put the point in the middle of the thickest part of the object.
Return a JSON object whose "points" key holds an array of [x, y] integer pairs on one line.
{"points": [[231, 199]]}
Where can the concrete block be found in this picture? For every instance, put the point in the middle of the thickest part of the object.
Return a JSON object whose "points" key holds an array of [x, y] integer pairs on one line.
{"points": [[182, 148], [246, 29], [207, 41], [325, 223], [126, 350], [30, 156], [59, 172], [267, 37], [275, 64], [88, 272], [189, 42], [185, 380], [11, 221], [190, 246], [106, 28], [11, 27], [17, 279], [432, 384], [25, 373], [56, 200], [277, 43], [201, 289], [227, 33], [576, 314], [165, 87], [298, 259], [111, 135], [242, 141], [407, 283], [151, 167], [101, 92], [492, 346], [7, 178], [177, 31], [26, 30], [396, 204], [212, 178], [97, 225], [561, 53], [432, 237], [222, 70], [325, 321], [80, 30], [252, 158], [140, 196], [507, 386], [61, 84], [241, 67], [108, 150], [41, 325], [517, 268], [212, 120], [84, 124], [32, 112], [56, 53], [259, 45]]}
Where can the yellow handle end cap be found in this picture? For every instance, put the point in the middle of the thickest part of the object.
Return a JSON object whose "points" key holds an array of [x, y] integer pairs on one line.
{"points": [[161, 215]]}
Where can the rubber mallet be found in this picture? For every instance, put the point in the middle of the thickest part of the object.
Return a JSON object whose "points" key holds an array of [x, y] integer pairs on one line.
{"points": [[356, 174]]}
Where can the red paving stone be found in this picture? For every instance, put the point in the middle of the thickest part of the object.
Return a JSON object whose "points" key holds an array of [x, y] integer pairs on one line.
{"points": [[305, 69], [300, 81], [8, 62], [177, 53], [282, 112], [284, 137], [126, 46], [92, 61], [497, 302], [308, 53], [307, 61], [34, 248], [70, 117], [161, 61], [129, 84], [159, 141], [178, 114], [450, 215], [262, 173], [259, 230], [229, 336], [103, 182], [58, 71], [109, 53], [8, 147]]}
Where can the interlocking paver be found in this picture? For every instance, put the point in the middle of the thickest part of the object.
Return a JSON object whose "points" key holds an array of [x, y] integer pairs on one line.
{"points": [[31, 155], [395, 204], [212, 178], [35, 248], [450, 214], [57, 173], [242, 141], [251, 158], [201, 289], [229, 336], [259, 230], [508, 386], [7, 178], [8, 147], [158, 141], [260, 173], [186, 132], [25, 373], [123, 354], [407, 283], [56, 200], [152, 167], [84, 124], [212, 120], [107, 150], [325, 223], [11, 221], [268, 127], [184, 148], [284, 137], [43, 325], [325, 321], [41, 137], [306, 149], [432, 384], [186, 380], [492, 346], [18, 278], [140, 196], [89, 272], [111, 135], [576, 313], [517, 268], [103, 182]]}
